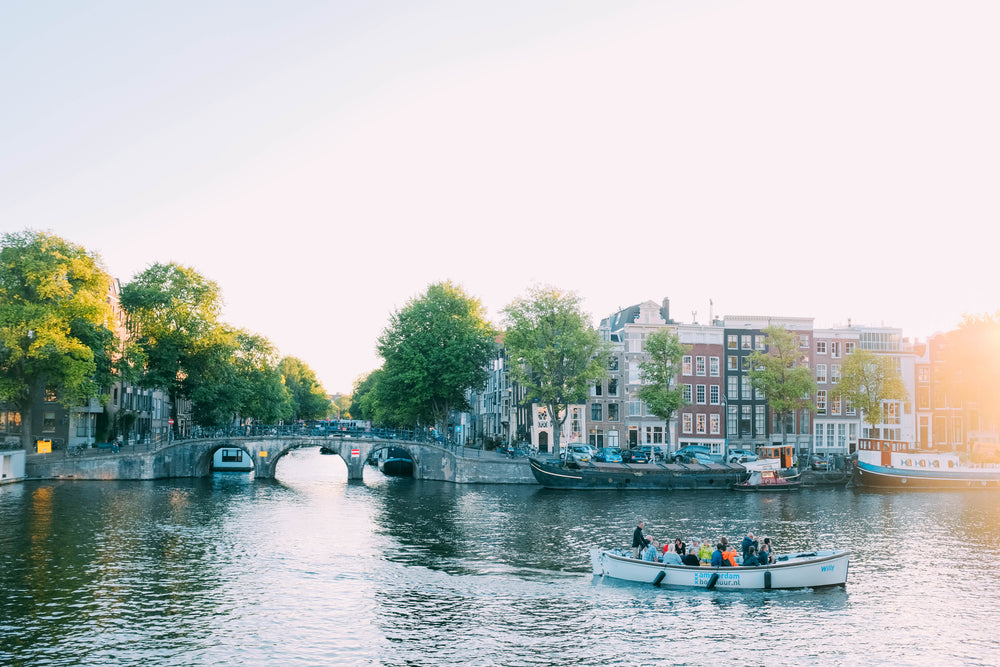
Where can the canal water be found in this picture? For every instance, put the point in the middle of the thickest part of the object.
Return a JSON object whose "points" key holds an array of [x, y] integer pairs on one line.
{"points": [[309, 569]]}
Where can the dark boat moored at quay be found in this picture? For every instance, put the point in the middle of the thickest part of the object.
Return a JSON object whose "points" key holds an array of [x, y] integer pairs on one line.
{"points": [[553, 474], [395, 462]]}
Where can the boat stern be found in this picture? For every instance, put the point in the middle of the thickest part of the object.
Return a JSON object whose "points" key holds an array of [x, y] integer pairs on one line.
{"points": [[595, 561]]}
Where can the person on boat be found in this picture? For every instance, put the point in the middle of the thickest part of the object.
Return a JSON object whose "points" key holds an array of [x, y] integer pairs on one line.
{"points": [[705, 552], [650, 552], [729, 557], [680, 547], [751, 558], [691, 558], [717, 559], [748, 542], [766, 556], [670, 557], [639, 541]]}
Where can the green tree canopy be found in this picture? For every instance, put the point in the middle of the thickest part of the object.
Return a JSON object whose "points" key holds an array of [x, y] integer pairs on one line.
{"points": [[177, 340], [307, 397], [554, 352], [434, 349], [660, 391], [364, 397], [867, 380], [782, 374], [55, 322]]}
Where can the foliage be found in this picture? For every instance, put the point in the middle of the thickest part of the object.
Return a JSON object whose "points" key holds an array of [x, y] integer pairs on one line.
{"points": [[177, 340], [781, 374], [364, 397], [970, 366], [55, 321], [434, 349], [867, 380], [308, 399], [660, 391], [555, 354]]}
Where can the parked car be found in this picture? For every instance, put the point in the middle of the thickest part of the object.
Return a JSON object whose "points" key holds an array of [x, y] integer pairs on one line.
{"points": [[693, 453], [654, 452], [820, 462], [634, 456], [741, 456], [608, 455], [578, 453]]}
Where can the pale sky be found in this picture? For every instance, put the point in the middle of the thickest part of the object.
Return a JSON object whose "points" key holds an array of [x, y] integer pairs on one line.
{"points": [[326, 162]]}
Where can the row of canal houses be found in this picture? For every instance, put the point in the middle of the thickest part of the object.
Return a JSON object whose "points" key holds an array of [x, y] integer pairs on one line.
{"points": [[722, 410]]}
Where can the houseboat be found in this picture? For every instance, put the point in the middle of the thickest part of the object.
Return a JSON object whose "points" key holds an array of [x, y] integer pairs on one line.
{"points": [[893, 464]]}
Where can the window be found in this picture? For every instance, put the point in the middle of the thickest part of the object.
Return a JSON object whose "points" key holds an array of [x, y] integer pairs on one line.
{"points": [[835, 373], [713, 366], [686, 365], [956, 431], [892, 413], [634, 343], [746, 342], [713, 394], [596, 412], [48, 422], [848, 348], [759, 419], [612, 387], [612, 438], [745, 387], [804, 341], [612, 412], [923, 374], [597, 389], [686, 422], [733, 362], [700, 424], [733, 387], [835, 349], [821, 347], [732, 421], [232, 455], [923, 398], [835, 405], [760, 343], [819, 437], [633, 374], [612, 363], [686, 393], [635, 408], [842, 436], [821, 402], [699, 366], [596, 438], [699, 394], [746, 421], [821, 373], [940, 430], [829, 434], [714, 424], [654, 435], [849, 408], [732, 341]]}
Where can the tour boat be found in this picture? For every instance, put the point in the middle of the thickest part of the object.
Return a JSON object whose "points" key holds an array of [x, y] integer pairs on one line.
{"points": [[814, 569], [554, 474], [765, 475], [892, 464]]}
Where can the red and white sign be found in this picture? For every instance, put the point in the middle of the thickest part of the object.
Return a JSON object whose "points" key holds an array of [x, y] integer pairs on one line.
{"points": [[355, 453], [170, 421]]}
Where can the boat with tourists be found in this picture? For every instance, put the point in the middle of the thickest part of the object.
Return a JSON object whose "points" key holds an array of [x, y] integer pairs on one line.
{"points": [[700, 475], [765, 476], [813, 569], [894, 464]]}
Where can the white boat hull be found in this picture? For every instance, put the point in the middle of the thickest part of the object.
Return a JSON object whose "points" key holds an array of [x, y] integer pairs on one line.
{"points": [[812, 570]]}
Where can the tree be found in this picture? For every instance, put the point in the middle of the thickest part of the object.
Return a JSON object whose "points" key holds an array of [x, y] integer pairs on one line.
{"points": [[867, 380], [55, 322], [555, 354], [660, 391], [970, 357], [364, 400], [263, 395], [781, 375], [435, 349], [177, 342], [308, 398]]}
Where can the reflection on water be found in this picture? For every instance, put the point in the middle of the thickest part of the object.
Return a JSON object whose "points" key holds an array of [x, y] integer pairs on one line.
{"points": [[312, 570]]}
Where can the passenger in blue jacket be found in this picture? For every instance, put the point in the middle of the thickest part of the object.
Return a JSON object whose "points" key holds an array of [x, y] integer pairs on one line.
{"points": [[717, 556]]}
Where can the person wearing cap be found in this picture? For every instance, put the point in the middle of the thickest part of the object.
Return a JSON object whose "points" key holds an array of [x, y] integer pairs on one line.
{"points": [[639, 541]]}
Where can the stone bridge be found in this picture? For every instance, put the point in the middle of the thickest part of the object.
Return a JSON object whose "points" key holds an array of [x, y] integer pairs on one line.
{"points": [[193, 458]]}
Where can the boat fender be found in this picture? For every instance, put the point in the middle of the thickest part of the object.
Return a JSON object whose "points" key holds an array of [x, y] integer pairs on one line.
{"points": [[767, 580], [711, 580], [659, 578]]}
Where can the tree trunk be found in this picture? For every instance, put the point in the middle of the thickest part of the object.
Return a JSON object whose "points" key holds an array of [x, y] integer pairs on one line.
{"points": [[556, 428]]}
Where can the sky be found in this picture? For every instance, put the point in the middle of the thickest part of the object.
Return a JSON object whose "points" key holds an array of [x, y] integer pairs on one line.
{"points": [[325, 162]]}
